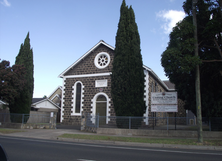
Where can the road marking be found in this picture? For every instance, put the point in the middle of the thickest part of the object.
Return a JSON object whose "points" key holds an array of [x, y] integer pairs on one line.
{"points": [[85, 160], [108, 146]]}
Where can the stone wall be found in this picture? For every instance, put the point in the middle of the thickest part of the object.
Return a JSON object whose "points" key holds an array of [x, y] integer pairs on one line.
{"points": [[89, 92], [159, 133], [84, 126], [86, 66], [155, 86], [38, 126]]}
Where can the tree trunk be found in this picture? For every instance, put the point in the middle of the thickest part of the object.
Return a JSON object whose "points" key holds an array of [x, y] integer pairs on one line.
{"points": [[197, 78]]}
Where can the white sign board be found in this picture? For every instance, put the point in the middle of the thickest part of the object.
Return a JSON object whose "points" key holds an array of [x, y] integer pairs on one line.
{"points": [[101, 83], [160, 98], [164, 102], [164, 108]]}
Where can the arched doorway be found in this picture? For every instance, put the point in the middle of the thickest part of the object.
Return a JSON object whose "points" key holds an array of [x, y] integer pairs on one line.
{"points": [[101, 104]]}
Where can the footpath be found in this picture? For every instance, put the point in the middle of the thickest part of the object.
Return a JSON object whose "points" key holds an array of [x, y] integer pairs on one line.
{"points": [[53, 134]]}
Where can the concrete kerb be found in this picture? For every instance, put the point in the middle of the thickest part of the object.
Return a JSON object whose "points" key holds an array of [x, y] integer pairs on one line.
{"points": [[119, 143], [53, 134], [158, 133]]}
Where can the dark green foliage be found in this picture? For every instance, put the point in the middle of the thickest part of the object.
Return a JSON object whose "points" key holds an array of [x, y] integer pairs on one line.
{"points": [[24, 100], [127, 73], [11, 81], [179, 61]]}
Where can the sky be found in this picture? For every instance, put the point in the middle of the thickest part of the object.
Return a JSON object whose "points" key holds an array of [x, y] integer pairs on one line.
{"points": [[61, 31]]}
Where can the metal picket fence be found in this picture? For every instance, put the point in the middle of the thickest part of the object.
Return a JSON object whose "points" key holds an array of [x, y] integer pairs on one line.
{"points": [[92, 121], [152, 123], [24, 118]]}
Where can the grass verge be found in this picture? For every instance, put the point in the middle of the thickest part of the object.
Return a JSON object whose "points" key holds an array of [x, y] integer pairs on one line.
{"points": [[9, 131], [144, 140]]}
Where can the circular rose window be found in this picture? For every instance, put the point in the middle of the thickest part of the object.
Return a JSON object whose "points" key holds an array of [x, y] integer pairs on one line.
{"points": [[102, 60]]}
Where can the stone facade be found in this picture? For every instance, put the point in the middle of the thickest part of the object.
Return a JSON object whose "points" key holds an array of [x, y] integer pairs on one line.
{"points": [[155, 86], [87, 66], [85, 72], [89, 92]]}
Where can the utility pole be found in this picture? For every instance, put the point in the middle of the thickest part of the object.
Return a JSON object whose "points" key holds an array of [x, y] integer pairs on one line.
{"points": [[197, 78]]}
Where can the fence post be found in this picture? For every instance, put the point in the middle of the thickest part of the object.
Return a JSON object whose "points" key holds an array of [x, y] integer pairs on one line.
{"points": [[97, 118], [129, 122], [175, 122], [167, 123], [209, 124], [23, 119], [4, 117], [83, 121]]}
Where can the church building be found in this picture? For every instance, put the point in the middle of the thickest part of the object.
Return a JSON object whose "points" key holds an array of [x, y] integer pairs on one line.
{"points": [[87, 86]]}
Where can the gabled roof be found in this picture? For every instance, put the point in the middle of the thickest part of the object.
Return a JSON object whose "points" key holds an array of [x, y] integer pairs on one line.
{"points": [[160, 81], [169, 84], [112, 48], [36, 101], [82, 57], [56, 96], [59, 87]]}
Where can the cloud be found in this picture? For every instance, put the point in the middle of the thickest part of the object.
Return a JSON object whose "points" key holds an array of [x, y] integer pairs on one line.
{"points": [[6, 3], [170, 19]]}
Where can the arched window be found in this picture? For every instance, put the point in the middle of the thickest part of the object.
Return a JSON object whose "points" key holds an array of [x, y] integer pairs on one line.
{"points": [[77, 98]]}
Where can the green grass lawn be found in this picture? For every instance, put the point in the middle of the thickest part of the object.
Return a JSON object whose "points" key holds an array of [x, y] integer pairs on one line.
{"points": [[144, 140], [9, 131]]}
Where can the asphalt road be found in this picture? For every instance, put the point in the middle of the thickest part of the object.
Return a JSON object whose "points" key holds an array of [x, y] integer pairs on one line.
{"points": [[26, 149]]}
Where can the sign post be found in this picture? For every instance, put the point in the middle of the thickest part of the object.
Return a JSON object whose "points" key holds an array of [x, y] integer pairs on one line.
{"points": [[164, 102]]}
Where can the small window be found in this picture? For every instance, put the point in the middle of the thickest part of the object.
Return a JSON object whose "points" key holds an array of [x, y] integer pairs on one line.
{"points": [[152, 90], [156, 87]]}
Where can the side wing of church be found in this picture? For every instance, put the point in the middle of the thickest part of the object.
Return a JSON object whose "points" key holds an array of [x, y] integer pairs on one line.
{"points": [[87, 86]]}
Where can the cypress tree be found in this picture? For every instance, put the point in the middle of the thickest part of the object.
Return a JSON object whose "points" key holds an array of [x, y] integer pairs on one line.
{"points": [[24, 100], [127, 80]]}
